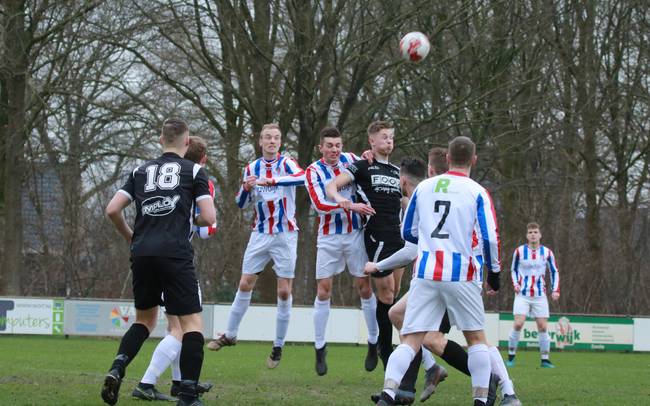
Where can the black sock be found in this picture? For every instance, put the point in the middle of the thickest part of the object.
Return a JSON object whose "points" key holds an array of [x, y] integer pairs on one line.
{"points": [[456, 356], [192, 356], [385, 332], [411, 375], [133, 339]]}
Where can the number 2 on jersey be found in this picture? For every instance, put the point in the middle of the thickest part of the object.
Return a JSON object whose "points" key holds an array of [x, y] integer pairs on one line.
{"points": [[436, 208], [168, 177]]}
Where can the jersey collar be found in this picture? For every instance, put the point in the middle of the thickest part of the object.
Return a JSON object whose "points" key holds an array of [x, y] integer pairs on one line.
{"points": [[171, 154], [454, 173]]}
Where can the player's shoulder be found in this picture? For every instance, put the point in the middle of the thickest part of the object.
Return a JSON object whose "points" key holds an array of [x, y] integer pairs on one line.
{"points": [[348, 158], [393, 166], [317, 166]]}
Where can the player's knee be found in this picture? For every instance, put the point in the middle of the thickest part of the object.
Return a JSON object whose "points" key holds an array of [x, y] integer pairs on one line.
{"points": [[386, 296], [246, 285], [365, 291], [437, 343], [284, 293], [396, 317]]}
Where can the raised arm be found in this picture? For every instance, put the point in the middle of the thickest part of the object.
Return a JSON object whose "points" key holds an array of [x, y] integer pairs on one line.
{"points": [[332, 189], [316, 191], [244, 198]]}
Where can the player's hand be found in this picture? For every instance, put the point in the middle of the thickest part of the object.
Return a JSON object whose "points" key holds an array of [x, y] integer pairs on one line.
{"points": [[491, 292], [362, 208], [249, 183], [555, 296], [368, 156], [264, 181], [370, 267], [345, 203], [517, 288]]}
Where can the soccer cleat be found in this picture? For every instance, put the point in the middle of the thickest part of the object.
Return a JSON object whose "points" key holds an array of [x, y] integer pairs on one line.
{"points": [[432, 377], [221, 341], [111, 388], [547, 364], [492, 389], [479, 403], [274, 359], [385, 400], [321, 360], [201, 387], [511, 361], [189, 394], [402, 397], [372, 358], [510, 400], [151, 393]]}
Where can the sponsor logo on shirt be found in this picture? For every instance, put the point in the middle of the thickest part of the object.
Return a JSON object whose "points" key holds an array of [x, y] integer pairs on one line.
{"points": [[383, 183], [159, 205]]}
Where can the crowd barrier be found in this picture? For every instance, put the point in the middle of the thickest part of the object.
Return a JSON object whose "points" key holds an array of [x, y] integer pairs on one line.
{"points": [[86, 317]]}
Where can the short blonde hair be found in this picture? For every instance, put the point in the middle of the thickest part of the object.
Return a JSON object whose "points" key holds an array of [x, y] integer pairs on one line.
{"points": [[270, 126], [377, 126], [197, 149], [532, 226]]}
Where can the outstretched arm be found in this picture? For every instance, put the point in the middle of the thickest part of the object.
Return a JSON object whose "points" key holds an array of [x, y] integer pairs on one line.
{"points": [[332, 190]]}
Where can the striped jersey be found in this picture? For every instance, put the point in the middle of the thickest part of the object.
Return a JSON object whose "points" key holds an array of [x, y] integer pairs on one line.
{"points": [[529, 268], [274, 205], [205, 232], [441, 217], [332, 218]]}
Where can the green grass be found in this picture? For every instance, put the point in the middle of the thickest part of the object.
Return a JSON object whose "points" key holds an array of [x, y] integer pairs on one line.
{"points": [[56, 371]]}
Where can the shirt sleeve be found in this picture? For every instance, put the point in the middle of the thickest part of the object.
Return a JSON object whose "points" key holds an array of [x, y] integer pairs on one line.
{"points": [[244, 198], [403, 257], [316, 190], [411, 220], [295, 177], [201, 188], [355, 170], [489, 231], [514, 270], [555, 274], [128, 189]]}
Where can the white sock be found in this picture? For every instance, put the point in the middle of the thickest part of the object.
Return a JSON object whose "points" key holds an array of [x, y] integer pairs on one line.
{"points": [[427, 359], [176, 368], [544, 345], [168, 349], [237, 311], [321, 314], [398, 364], [478, 363], [499, 368], [513, 340], [369, 308], [282, 321]]}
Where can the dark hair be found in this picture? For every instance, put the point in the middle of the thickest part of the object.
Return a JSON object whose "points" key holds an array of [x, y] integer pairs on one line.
{"points": [[173, 129], [377, 126], [329, 132], [414, 168], [438, 160], [461, 151], [197, 149], [532, 226]]}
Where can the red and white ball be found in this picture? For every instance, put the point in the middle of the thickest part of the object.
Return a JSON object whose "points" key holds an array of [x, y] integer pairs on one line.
{"points": [[414, 46]]}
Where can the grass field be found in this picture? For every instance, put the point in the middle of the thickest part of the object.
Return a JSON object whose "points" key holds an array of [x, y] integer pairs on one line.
{"points": [[56, 371]]}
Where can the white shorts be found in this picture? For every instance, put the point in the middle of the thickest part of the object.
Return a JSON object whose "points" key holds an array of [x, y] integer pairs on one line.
{"points": [[428, 300], [532, 306], [280, 247], [336, 250]]}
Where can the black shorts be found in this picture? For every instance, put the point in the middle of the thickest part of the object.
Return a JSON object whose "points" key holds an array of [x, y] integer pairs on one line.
{"points": [[445, 326], [381, 245], [173, 279]]}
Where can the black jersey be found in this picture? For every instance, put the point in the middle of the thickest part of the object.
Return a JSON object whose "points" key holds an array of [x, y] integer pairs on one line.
{"points": [[165, 190], [378, 184]]}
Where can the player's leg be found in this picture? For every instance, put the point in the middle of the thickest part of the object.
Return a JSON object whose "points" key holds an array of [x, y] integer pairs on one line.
{"points": [[499, 369], [283, 252], [434, 373], [520, 309], [256, 257], [356, 258], [321, 316], [146, 291], [544, 342], [396, 312], [167, 353], [397, 279], [406, 392]]}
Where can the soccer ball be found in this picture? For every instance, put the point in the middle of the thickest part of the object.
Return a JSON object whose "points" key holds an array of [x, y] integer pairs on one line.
{"points": [[414, 46]]}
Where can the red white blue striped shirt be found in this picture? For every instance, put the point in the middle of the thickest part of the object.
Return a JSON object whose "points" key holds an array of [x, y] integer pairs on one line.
{"points": [[332, 218], [274, 205], [529, 268], [441, 218]]}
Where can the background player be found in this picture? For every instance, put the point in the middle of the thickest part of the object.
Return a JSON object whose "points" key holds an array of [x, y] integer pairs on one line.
{"points": [[441, 218], [165, 191], [168, 350], [529, 264], [269, 183], [378, 185], [340, 243]]}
